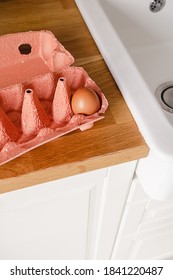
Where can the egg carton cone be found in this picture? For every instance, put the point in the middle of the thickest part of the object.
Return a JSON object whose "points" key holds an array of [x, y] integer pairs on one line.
{"points": [[37, 85]]}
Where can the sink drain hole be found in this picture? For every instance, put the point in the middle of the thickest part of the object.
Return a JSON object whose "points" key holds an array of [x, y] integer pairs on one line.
{"points": [[157, 5], [164, 94], [167, 97]]}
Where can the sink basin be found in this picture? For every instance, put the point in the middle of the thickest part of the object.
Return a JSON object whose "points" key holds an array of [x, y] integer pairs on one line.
{"points": [[137, 45]]}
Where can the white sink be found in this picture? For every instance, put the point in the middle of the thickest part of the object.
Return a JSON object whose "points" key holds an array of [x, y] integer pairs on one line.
{"points": [[137, 46]]}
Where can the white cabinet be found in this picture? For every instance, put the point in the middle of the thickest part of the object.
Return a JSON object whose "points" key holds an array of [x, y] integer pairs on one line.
{"points": [[73, 218], [103, 214], [146, 230]]}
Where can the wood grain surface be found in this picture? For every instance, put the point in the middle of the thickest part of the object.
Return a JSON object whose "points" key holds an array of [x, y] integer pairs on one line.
{"points": [[113, 140]]}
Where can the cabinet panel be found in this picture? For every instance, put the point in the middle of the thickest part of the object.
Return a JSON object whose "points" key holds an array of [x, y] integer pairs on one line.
{"points": [[132, 217], [157, 224], [49, 221], [73, 218], [146, 228], [158, 210], [118, 184], [136, 193], [153, 245], [46, 229]]}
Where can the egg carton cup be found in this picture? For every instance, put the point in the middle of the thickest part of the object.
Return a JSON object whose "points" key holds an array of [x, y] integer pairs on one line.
{"points": [[37, 83]]}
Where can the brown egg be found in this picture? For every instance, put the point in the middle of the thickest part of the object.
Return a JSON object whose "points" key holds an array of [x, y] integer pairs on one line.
{"points": [[85, 101]]}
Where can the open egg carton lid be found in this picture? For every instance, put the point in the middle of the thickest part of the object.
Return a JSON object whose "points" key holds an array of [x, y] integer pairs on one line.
{"points": [[42, 96]]}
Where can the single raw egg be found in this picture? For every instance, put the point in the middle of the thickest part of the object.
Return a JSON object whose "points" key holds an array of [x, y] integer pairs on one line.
{"points": [[85, 101]]}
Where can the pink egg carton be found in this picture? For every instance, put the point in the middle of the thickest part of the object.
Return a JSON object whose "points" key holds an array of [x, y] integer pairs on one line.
{"points": [[36, 85]]}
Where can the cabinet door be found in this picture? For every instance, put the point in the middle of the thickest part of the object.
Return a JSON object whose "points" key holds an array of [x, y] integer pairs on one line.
{"points": [[117, 187], [50, 221], [146, 228], [72, 218]]}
